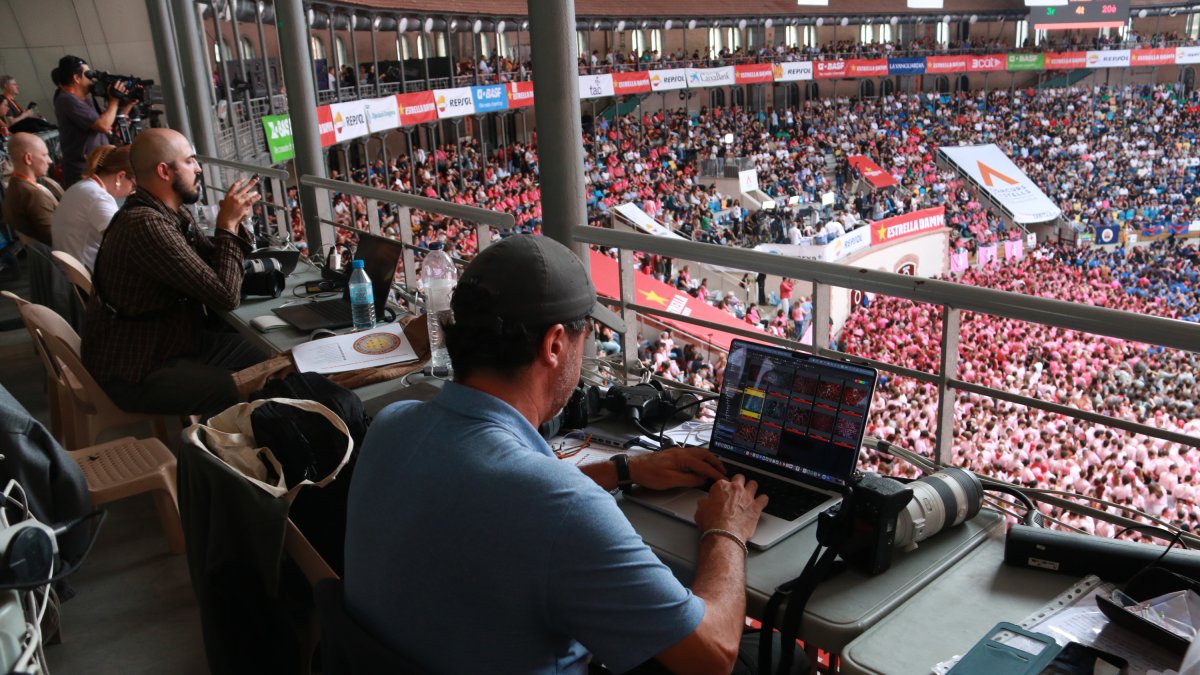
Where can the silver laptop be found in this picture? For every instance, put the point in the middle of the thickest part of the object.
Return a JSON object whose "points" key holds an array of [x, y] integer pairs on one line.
{"points": [[792, 421]]}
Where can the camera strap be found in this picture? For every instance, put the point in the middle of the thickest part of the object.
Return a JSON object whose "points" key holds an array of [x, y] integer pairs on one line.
{"points": [[793, 597]]}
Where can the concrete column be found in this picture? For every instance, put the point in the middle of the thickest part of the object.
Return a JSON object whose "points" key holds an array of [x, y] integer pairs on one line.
{"points": [[197, 81], [302, 107], [556, 89], [167, 55]]}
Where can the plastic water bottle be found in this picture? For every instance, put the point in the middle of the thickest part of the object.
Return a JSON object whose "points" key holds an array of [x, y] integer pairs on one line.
{"points": [[362, 297], [438, 276]]}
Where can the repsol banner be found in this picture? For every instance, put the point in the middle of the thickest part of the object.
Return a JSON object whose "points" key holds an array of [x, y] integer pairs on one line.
{"points": [[906, 66], [458, 102], [1109, 58], [667, 80], [349, 120], [907, 225], [792, 71]]}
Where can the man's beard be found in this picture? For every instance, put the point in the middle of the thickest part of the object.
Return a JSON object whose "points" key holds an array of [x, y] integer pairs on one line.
{"points": [[187, 196]]}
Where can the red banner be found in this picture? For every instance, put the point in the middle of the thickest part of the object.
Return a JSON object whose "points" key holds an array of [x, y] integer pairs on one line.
{"points": [[416, 108], [874, 173], [867, 68], [945, 64], [631, 83], [654, 293], [325, 126], [1065, 60], [984, 64], [751, 73], [1154, 57], [520, 94], [825, 70], [907, 225]]}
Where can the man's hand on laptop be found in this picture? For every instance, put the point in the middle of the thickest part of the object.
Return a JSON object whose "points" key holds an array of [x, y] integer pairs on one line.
{"points": [[732, 505], [675, 467]]}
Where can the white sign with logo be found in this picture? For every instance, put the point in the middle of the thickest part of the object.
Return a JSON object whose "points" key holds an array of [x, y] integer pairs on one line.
{"points": [[748, 180], [642, 221], [454, 102], [666, 80], [382, 114], [595, 86], [349, 120], [1111, 58], [992, 170], [710, 77], [793, 71], [1187, 55]]}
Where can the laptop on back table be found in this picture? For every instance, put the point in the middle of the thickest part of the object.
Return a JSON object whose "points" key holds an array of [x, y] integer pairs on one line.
{"points": [[380, 256], [792, 421]]}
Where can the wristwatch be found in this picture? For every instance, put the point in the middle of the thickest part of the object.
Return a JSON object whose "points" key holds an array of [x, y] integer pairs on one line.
{"points": [[623, 480]]}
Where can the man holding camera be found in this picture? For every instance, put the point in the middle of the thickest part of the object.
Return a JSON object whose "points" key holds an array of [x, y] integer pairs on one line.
{"points": [[471, 547], [81, 127], [144, 335]]}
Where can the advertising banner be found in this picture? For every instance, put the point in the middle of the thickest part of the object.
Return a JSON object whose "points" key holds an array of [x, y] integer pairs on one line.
{"points": [[1066, 60], [845, 245], [277, 129], [458, 102], [416, 108], [642, 221], [986, 255], [1111, 58], [1025, 61], [988, 63], [958, 261], [914, 65], [667, 80], [489, 98], [907, 225], [595, 86], [1164, 56], [753, 73], [325, 126], [827, 70], [349, 120], [874, 173], [382, 114], [945, 64], [520, 94], [867, 67], [793, 71], [710, 77], [1107, 234], [1014, 250], [631, 83], [990, 168], [748, 180], [1187, 55]]}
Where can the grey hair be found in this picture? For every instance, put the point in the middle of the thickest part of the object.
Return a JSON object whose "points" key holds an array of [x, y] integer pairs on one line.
{"points": [[5, 79]]}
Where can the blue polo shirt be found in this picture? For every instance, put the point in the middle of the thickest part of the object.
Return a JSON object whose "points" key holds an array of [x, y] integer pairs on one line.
{"points": [[471, 548]]}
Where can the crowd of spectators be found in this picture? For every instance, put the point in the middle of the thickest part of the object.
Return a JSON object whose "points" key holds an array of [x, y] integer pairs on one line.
{"points": [[1114, 378]]}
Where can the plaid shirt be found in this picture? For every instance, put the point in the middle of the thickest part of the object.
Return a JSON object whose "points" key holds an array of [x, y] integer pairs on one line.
{"points": [[158, 272]]}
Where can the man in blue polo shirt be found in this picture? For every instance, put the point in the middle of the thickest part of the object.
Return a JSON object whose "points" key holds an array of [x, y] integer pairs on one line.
{"points": [[470, 548]]}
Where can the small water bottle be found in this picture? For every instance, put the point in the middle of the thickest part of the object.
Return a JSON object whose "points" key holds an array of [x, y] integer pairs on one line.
{"points": [[438, 276], [362, 297]]}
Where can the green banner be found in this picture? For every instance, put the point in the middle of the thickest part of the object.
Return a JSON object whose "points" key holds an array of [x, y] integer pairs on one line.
{"points": [[278, 131], [1026, 62]]}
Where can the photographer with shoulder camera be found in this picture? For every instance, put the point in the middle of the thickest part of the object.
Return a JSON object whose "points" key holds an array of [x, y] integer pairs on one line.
{"points": [[82, 128]]}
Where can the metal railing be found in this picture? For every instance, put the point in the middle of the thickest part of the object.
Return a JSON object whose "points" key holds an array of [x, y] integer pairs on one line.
{"points": [[217, 180], [952, 298]]}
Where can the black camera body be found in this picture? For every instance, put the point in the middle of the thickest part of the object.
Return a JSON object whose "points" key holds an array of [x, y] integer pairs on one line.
{"points": [[135, 87], [862, 528]]}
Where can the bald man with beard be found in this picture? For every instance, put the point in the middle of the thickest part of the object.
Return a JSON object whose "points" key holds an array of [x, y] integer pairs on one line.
{"points": [[144, 335], [31, 197]]}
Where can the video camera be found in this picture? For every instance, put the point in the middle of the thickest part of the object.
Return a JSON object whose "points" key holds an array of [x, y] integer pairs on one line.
{"points": [[135, 87], [881, 514]]}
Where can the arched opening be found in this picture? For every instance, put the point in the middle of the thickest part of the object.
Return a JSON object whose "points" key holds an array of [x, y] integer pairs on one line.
{"points": [[866, 89], [716, 98], [962, 83], [812, 91], [1188, 77], [737, 96], [942, 84], [887, 87]]}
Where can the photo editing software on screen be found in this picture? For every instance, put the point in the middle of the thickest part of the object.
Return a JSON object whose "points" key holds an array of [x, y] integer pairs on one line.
{"points": [[800, 413]]}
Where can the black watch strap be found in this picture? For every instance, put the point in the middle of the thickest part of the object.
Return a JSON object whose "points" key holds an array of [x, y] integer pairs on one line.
{"points": [[623, 480]]}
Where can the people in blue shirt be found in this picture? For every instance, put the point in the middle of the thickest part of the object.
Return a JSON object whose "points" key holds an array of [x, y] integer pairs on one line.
{"points": [[471, 547]]}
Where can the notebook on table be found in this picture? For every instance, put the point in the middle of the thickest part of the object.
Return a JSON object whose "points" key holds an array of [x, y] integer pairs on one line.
{"points": [[380, 256], [792, 421]]}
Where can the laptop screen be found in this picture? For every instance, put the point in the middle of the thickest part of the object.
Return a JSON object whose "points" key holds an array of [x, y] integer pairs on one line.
{"points": [[380, 256], [805, 414]]}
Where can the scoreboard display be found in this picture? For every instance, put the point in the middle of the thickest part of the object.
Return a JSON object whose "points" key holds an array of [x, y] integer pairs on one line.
{"points": [[1080, 14]]}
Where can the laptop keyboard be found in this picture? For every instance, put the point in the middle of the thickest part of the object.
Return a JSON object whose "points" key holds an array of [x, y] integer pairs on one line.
{"points": [[788, 501], [335, 310]]}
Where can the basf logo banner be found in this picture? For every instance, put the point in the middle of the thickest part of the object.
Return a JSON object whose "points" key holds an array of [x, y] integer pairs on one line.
{"points": [[456, 102], [667, 80], [349, 120], [489, 98], [1007, 184]]}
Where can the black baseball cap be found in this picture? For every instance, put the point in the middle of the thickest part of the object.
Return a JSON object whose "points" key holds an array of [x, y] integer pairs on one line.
{"points": [[534, 280]]}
